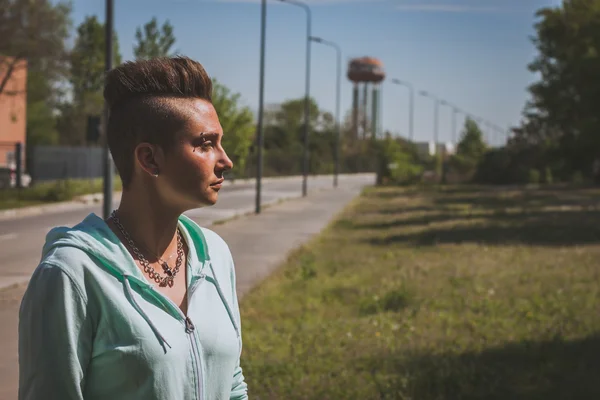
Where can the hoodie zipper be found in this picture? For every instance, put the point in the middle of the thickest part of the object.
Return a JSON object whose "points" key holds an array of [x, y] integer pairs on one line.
{"points": [[189, 329]]}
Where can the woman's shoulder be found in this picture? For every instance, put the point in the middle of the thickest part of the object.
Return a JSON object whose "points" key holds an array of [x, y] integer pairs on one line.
{"points": [[214, 242], [59, 269], [71, 261]]}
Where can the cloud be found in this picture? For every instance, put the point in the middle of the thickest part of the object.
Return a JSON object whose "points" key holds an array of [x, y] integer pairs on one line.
{"points": [[447, 8], [311, 2]]}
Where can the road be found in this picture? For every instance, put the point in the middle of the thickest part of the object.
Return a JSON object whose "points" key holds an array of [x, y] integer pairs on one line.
{"points": [[276, 232], [21, 239]]}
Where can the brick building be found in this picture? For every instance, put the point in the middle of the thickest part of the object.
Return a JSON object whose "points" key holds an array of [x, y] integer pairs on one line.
{"points": [[13, 107]]}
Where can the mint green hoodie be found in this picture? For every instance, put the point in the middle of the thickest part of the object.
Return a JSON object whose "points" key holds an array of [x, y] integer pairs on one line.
{"points": [[91, 326]]}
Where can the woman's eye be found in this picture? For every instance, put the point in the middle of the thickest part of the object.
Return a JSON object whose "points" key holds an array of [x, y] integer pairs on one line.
{"points": [[204, 145]]}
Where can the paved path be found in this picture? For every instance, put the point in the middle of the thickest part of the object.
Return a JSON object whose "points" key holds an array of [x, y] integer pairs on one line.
{"points": [[21, 239], [259, 244]]}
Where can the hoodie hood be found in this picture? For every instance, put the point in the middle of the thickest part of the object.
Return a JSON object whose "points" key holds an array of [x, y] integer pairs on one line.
{"points": [[95, 317], [94, 237]]}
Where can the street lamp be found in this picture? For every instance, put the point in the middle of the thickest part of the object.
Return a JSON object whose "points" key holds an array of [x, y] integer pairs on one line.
{"points": [[261, 96], [307, 94], [337, 104], [107, 160], [436, 103], [480, 122], [455, 110], [411, 110], [492, 132]]}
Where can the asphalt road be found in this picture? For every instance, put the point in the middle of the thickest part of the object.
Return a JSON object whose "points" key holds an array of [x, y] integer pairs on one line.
{"points": [[21, 239]]}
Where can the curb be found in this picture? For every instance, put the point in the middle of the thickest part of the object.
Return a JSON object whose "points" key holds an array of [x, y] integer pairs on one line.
{"points": [[96, 198], [10, 282], [77, 203]]}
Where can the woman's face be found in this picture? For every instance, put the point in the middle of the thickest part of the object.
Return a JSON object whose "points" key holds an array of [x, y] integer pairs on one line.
{"points": [[192, 170]]}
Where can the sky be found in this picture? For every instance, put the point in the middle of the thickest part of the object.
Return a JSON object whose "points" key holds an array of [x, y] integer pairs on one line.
{"points": [[470, 53]]}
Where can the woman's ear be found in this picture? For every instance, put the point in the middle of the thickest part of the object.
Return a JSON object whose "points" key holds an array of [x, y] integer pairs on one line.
{"points": [[149, 157]]}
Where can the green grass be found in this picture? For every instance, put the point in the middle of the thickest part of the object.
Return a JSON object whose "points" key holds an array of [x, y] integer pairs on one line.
{"points": [[436, 293], [50, 192]]}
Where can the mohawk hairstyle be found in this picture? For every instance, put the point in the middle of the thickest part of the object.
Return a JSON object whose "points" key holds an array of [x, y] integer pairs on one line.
{"points": [[148, 102]]}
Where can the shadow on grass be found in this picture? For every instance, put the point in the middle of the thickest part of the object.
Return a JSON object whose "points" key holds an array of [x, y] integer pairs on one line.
{"points": [[413, 221], [523, 199], [552, 370], [395, 210], [538, 223], [565, 228]]}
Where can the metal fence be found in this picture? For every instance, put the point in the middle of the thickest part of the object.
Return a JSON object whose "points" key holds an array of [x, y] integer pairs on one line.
{"points": [[63, 162]]}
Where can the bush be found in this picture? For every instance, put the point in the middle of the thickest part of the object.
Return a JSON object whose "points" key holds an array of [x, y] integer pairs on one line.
{"points": [[495, 168], [396, 165], [548, 176], [577, 178], [47, 192], [533, 176]]}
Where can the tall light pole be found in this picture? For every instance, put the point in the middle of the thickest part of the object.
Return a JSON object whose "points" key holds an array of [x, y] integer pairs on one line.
{"points": [[436, 103], [337, 104], [107, 159], [492, 132], [305, 159], [261, 96], [480, 123], [455, 110], [411, 110]]}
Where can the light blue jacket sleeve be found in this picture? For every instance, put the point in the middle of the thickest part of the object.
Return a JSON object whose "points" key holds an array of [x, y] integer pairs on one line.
{"points": [[55, 337], [239, 389]]}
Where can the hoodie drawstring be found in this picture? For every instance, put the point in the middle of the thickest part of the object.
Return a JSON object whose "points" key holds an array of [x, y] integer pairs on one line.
{"points": [[160, 337], [237, 331], [135, 305], [220, 292]]}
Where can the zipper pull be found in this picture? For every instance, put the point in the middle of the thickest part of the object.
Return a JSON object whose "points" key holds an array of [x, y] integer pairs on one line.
{"points": [[189, 326]]}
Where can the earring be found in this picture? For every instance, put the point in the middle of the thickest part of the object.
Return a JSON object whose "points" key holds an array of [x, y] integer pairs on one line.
{"points": [[155, 173]]}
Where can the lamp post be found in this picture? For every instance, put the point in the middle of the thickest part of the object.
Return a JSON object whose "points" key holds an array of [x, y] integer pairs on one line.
{"points": [[411, 111], [261, 96], [436, 107], [455, 110], [107, 159], [337, 104], [307, 90]]}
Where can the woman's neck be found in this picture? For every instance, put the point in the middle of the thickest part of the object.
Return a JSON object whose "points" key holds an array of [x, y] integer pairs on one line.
{"points": [[151, 226]]}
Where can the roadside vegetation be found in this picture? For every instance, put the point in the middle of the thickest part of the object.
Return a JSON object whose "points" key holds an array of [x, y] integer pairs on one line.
{"points": [[435, 293]]}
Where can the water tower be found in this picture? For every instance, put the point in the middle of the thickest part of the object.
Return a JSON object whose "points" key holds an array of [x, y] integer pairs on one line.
{"points": [[366, 71]]}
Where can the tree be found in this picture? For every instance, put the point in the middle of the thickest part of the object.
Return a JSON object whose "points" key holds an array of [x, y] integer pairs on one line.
{"points": [[88, 59], [290, 115], [41, 105], [34, 31], [562, 114], [237, 122], [471, 144], [87, 79], [397, 163], [154, 42], [469, 152]]}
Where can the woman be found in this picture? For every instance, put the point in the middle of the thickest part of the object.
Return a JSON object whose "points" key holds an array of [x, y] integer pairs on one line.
{"points": [[141, 305]]}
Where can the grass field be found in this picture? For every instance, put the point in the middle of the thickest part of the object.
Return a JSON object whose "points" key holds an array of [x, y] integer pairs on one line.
{"points": [[439, 293], [50, 192]]}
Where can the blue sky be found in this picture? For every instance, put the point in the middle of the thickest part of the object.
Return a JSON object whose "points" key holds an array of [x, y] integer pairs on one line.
{"points": [[472, 53]]}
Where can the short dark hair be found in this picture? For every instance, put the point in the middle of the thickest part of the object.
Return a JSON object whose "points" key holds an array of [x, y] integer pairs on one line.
{"points": [[143, 102]]}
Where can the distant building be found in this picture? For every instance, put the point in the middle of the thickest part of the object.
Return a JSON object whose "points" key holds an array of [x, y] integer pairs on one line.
{"points": [[13, 107], [425, 149], [428, 149], [446, 149]]}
